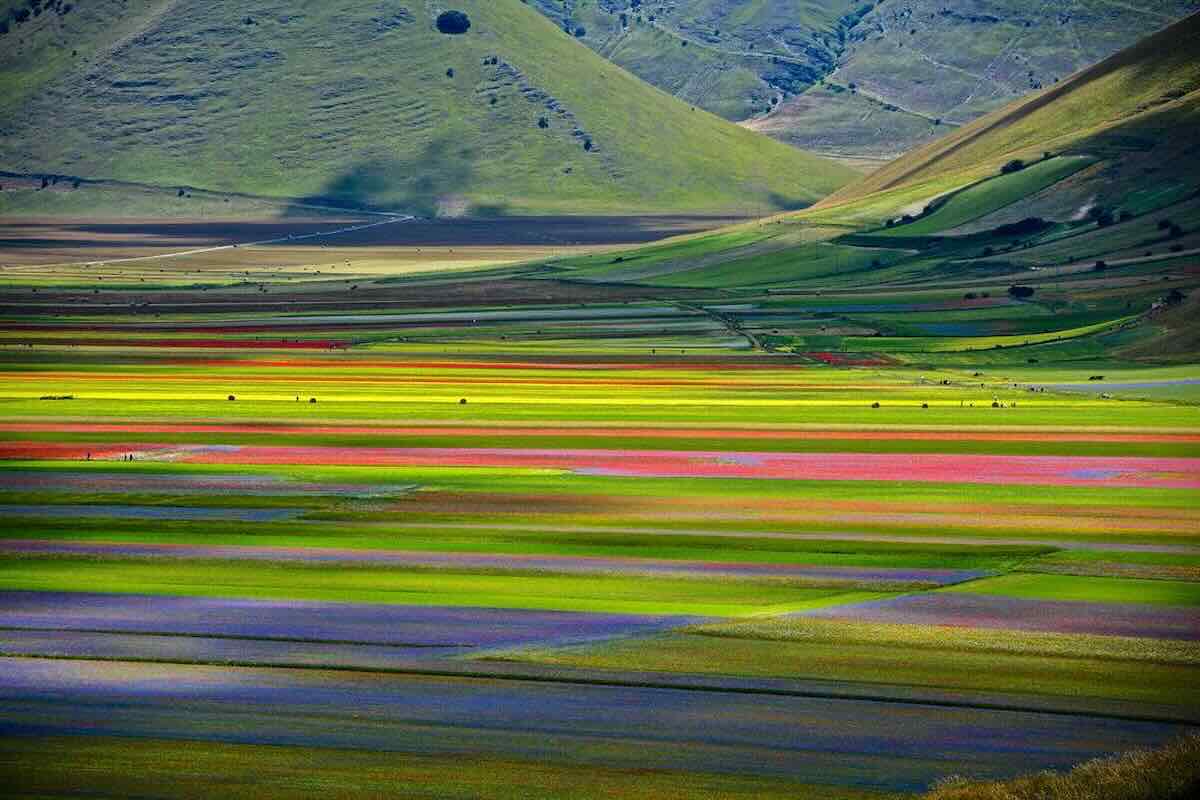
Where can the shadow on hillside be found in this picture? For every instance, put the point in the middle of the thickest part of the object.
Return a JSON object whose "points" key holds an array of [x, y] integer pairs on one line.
{"points": [[427, 186], [784, 203]]}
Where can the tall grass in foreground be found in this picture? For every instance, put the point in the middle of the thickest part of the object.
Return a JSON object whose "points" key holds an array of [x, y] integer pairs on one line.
{"points": [[1171, 772]]}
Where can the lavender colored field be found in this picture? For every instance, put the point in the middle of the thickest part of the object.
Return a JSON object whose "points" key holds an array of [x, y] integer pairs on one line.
{"points": [[954, 609], [896, 746], [559, 564], [195, 649], [405, 626], [184, 483], [151, 512]]}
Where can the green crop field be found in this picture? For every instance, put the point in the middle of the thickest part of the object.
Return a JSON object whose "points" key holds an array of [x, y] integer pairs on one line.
{"points": [[303, 501]]}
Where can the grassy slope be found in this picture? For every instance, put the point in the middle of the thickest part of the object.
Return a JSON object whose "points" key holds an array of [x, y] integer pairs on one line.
{"points": [[1171, 772], [913, 61], [1161, 69], [1121, 135], [200, 97], [737, 57]]}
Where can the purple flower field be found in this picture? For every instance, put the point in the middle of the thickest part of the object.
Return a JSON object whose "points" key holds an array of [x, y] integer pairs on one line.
{"points": [[957, 609]]}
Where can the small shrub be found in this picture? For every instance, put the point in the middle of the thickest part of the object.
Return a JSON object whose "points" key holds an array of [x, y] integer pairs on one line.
{"points": [[453, 22], [543, 122], [1016, 165], [1024, 227], [1101, 266], [1165, 224], [1021, 292], [450, 72], [232, 398], [580, 32]]}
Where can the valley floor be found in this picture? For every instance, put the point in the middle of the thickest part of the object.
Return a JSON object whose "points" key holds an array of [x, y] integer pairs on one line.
{"points": [[513, 532]]}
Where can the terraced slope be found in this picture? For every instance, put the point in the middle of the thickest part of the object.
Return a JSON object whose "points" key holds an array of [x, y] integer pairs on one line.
{"points": [[368, 105]]}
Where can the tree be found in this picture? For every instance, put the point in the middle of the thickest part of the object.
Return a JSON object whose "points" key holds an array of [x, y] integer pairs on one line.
{"points": [[1024, 227], [543, 122], [1016, 165], [580, 32], [1021, 292], [453, 22]]}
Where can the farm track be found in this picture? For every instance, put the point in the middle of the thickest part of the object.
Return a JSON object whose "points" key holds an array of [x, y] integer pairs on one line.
{"points": [[217, 248]]}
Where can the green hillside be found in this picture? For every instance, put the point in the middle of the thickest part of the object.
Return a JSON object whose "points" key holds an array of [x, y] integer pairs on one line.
{"points": [[1158, 76], [368, 105], [1087, 197], [860, 79]]}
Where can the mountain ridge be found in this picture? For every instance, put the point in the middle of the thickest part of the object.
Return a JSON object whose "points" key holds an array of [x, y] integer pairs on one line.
{"points": [[512, 117]]}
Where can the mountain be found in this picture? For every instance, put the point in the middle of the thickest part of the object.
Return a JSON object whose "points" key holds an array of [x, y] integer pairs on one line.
{"points": [[368, 104], [1135, 109], [865, 81], [1095, 180]]}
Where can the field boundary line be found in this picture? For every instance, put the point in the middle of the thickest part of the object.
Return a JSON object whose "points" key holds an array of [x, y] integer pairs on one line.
{"points": [[659, 682]]}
